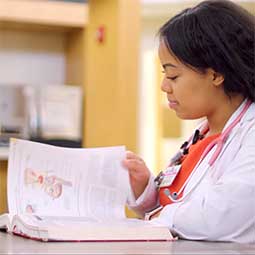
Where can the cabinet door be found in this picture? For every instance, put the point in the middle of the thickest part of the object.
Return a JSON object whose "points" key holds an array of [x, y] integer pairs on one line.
{"points": [[3, 186]]}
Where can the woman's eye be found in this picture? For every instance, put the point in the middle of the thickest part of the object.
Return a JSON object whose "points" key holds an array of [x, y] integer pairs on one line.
{"points": [[172, 78]]}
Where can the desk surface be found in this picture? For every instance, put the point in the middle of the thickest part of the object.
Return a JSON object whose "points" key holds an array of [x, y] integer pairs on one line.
{"points": [[10, 244]]}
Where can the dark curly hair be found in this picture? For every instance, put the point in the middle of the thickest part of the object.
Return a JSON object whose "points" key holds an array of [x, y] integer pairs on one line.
{"points": [[217, 34]]}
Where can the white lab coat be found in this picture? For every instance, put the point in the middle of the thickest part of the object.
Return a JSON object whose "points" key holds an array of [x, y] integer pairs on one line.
{"points": [[222, 206]]}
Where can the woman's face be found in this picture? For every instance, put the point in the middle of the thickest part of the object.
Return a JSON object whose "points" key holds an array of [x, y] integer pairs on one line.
{"points": [[190, 94]]}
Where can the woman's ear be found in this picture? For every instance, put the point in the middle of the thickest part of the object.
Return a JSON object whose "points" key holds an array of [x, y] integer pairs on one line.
{"points": [[217, 78]]}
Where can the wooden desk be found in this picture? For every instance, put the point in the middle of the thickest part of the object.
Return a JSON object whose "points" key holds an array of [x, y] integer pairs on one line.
{"points": [[10, 244]]}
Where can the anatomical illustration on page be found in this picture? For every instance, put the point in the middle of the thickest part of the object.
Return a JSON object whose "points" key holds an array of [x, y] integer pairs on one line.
{"points": [[51, 184], [56, 181]]}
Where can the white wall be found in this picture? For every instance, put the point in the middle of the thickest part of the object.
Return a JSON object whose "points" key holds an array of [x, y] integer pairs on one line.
{"points": [[147, 94], [32, 57]]}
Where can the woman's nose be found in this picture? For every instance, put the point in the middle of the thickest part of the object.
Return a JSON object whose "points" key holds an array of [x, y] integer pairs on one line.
{"points": [[166, 86]]}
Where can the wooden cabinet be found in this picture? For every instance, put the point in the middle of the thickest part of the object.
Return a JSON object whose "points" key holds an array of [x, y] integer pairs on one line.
{"points": [[40, 42], [43, 41], [3, 186]]}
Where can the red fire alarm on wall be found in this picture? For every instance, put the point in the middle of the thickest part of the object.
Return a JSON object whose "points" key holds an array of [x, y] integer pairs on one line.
{"points": [[100, 34]]}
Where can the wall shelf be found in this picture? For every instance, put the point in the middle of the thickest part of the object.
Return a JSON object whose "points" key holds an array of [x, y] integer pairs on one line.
{"points": [[42, 42], [67, 15]]}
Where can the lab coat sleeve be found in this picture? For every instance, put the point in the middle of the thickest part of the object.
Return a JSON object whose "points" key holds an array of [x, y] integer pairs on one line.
{"points": [[226, 209], [147, 200]]}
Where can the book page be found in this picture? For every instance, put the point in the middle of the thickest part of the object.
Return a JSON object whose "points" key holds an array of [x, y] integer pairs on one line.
{"points": [[5, 221], [49, 180], [81, 228], [69, 222]]}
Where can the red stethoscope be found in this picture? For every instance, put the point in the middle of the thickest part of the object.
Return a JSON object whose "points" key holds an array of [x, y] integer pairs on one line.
{"points": [[218, 142]]}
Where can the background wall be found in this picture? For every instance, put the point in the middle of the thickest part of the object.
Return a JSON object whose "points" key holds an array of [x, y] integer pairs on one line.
{"points": [[32, 57]]}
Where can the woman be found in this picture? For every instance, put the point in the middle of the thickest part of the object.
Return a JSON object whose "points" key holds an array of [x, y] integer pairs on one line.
{"points": [[208, 190]]}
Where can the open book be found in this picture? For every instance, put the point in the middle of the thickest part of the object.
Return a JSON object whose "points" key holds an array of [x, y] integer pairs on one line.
{"points": [[64, 194]]}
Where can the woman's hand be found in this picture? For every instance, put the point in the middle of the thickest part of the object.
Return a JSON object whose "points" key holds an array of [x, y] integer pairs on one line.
{"points": [[138, 172]]}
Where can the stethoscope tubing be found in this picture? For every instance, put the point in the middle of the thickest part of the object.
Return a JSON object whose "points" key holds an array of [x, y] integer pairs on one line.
{"points": [[219, 142]]}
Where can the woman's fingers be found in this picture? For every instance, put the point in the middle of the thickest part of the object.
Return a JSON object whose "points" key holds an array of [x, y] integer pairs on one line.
{"points": [[138, 172], [133, 164], [132, 155]]}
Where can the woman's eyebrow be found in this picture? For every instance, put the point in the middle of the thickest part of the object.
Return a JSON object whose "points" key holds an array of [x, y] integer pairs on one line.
{"points": [[168, 65]]}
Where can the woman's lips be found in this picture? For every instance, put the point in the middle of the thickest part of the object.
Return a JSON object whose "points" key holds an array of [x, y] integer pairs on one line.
{"points": [[172, 104]]}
